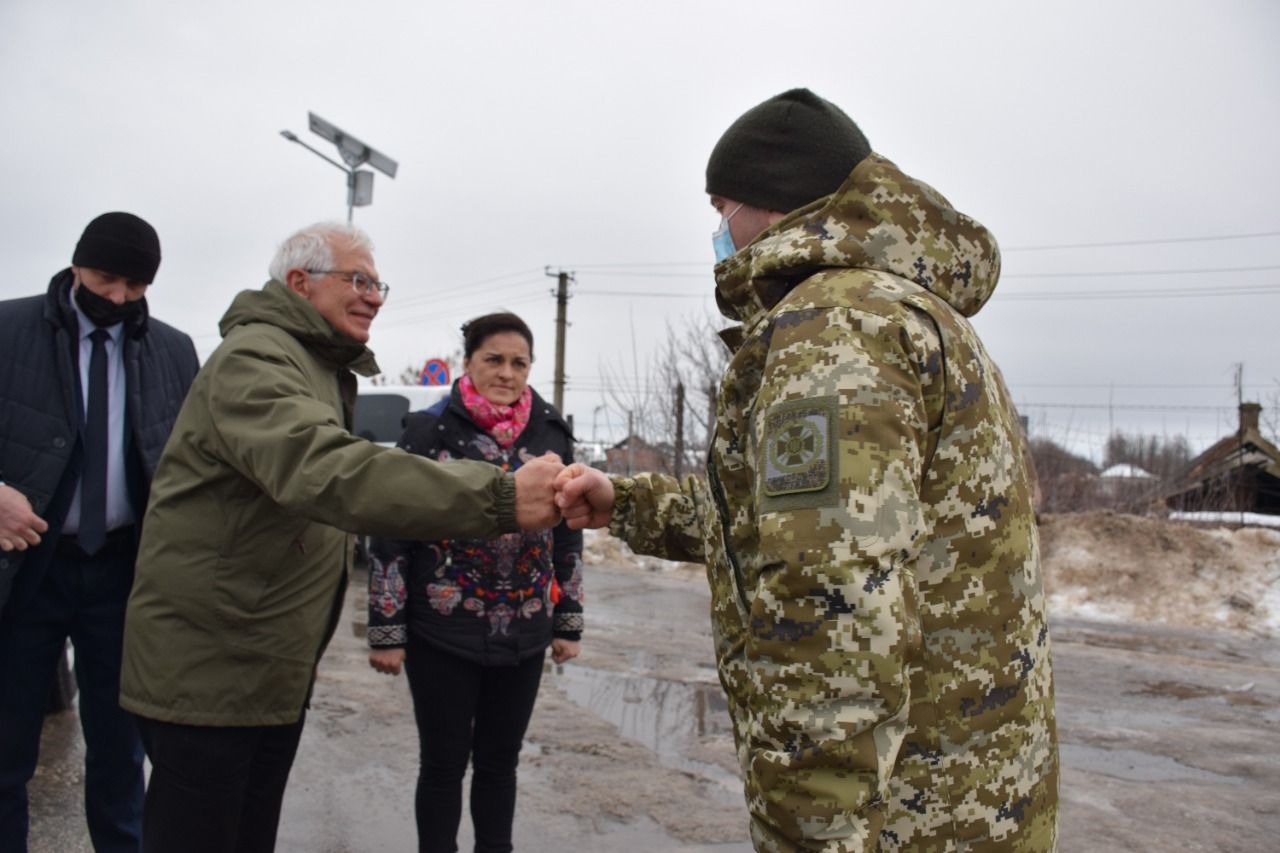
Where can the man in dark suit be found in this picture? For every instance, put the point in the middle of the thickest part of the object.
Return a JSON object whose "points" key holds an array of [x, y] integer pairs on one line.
{"points": [[88, 394]]}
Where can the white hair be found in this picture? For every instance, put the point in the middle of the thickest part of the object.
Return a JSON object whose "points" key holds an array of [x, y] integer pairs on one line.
{"points": [[312, 248]]}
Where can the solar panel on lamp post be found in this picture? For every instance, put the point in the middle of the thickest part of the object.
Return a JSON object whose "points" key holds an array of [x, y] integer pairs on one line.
{"points": [[354, 154]]}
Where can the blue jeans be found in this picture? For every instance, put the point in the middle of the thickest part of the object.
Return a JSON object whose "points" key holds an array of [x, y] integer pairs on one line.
{"points": [[82, 598]]}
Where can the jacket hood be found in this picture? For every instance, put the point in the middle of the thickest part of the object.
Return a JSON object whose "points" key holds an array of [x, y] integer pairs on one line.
{"points": [[879, 219], [278, 306]]}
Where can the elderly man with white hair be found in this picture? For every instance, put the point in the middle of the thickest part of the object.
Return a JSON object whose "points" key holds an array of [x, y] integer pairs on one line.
{"points": [[243, 560]]}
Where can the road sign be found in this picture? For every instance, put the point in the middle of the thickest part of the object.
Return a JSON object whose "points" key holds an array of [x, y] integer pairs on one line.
{"points": [[435, 372]]}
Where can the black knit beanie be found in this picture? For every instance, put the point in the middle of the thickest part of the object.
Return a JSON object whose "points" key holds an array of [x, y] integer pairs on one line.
{"points": [[121, 244], [786, 152]]}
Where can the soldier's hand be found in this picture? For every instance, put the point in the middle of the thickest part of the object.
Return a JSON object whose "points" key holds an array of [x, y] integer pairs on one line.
{"points": [[585, 496], [386, 661], [20, 527], [535, 493]]}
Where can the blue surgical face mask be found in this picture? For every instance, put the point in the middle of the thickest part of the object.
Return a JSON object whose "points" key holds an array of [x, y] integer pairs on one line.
{"points": [[722, 240]]}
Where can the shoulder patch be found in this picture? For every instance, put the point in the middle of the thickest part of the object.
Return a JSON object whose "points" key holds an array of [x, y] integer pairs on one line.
{"points": [[797, 450]]}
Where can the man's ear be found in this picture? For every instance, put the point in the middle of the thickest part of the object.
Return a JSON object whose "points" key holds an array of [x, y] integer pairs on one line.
{"points": [[298, 281]]}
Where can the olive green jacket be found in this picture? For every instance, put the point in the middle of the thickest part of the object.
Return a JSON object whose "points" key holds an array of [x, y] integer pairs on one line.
{"points": [[869, 537], [245, 544]]}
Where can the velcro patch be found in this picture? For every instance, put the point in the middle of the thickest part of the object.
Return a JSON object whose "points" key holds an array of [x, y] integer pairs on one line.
{"points": [[798, 454]]}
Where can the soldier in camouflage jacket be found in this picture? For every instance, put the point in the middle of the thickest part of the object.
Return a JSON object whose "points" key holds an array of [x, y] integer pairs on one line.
{"points": [[865, 521]]}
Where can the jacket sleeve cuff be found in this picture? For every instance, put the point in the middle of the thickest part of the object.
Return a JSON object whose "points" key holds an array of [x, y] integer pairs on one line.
{"points": [[388, 636], [507, 504], [568, 626], [623, 489]]}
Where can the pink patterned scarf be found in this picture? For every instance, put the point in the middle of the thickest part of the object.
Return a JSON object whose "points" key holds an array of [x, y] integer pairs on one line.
{"points": [[504, 423]]}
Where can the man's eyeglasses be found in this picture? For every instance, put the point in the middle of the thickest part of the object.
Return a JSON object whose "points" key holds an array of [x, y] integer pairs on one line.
{"points": [[362, 283]]}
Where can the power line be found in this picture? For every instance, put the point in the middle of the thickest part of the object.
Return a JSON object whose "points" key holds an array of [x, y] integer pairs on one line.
{"points": [[1118, 273], [452, 312], [702, 264], [645, 294], [1156, 241], [1145, 293], [1048, 296], [470, 288], [1137, 407], [1085, 274], [1152, 242], [1164, 385]]}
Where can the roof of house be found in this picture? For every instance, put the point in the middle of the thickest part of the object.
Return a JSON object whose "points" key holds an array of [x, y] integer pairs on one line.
{"points": [[1125, 471], [1245, 448]]}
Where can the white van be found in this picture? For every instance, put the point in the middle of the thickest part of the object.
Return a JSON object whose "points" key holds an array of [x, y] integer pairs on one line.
{"points": [[380, 409]]}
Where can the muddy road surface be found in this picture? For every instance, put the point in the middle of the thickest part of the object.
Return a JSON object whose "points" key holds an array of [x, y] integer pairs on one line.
{"points": [[1170, 741]]}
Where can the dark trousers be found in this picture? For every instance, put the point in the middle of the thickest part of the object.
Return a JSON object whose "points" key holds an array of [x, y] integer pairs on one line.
{"points": [[216, 789], [82, 598], [468, 711]]}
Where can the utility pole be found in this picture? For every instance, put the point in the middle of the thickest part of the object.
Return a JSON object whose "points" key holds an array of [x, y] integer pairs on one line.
{"points": [[1238, 475], [562, 304], [679, 461], [631, 443]]}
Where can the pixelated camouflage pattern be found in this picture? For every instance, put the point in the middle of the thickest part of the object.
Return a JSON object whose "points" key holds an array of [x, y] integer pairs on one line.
{"points": [[886, 656]]}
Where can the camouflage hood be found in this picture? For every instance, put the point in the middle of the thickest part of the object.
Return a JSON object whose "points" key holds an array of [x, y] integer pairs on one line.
{"points": [[880, 219]]}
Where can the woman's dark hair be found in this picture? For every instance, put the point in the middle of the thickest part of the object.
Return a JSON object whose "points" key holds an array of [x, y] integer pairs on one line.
{"points": [[477, 331]]}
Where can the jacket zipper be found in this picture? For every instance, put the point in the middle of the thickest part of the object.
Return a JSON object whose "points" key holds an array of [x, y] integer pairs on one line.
{"points": [[717, 491]]}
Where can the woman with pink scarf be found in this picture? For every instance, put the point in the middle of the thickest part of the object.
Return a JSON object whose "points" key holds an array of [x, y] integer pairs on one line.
{"points": [[470, 621]]}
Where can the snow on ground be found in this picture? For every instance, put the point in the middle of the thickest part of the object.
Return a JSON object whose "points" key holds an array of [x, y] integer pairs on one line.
{"points": [[1146, 569], [1113, 567]]}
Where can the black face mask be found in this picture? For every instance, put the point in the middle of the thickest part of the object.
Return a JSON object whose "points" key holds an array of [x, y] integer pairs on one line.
{"points": [[103, 312]]}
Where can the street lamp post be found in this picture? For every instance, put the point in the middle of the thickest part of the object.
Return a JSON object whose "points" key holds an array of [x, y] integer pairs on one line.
{"points": [[594, 414], [354, 154]]}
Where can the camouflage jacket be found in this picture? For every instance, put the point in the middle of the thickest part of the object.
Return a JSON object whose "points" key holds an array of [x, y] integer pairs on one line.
{"points": [[869, 537]]}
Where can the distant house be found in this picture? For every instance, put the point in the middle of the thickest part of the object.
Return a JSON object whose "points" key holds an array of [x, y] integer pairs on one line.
{"points": [[634, 454], [1241, 473], [1127, 484], [1125, 471]]}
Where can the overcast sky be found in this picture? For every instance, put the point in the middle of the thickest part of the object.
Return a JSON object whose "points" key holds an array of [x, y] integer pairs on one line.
{"points": [[575, 134]]}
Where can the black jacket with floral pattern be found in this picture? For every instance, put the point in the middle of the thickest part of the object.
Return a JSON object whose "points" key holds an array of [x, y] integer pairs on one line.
{"points": [[495, 602]]}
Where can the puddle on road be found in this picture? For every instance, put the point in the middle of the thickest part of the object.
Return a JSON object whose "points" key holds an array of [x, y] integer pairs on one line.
{"points": [[1182, 690], [664, 715], [1132, 765], [1176, 690]]}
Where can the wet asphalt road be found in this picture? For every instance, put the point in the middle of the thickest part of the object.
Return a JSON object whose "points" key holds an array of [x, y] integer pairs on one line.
{"points": [[1169, 742]]}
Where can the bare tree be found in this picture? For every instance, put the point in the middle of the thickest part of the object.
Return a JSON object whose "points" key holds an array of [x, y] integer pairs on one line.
{"points": [[1068, 483], [1164, 458], [692, 354], [1270, 416]]}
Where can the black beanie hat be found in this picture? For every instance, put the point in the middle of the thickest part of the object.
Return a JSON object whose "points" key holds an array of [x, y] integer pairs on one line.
{"points": [[786, 152], [122, 244]]}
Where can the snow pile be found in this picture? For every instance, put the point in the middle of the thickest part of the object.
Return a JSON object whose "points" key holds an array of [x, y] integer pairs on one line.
{"points": [[1257, 519], [599, 548], [1113, 567], [1104, 565]]}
